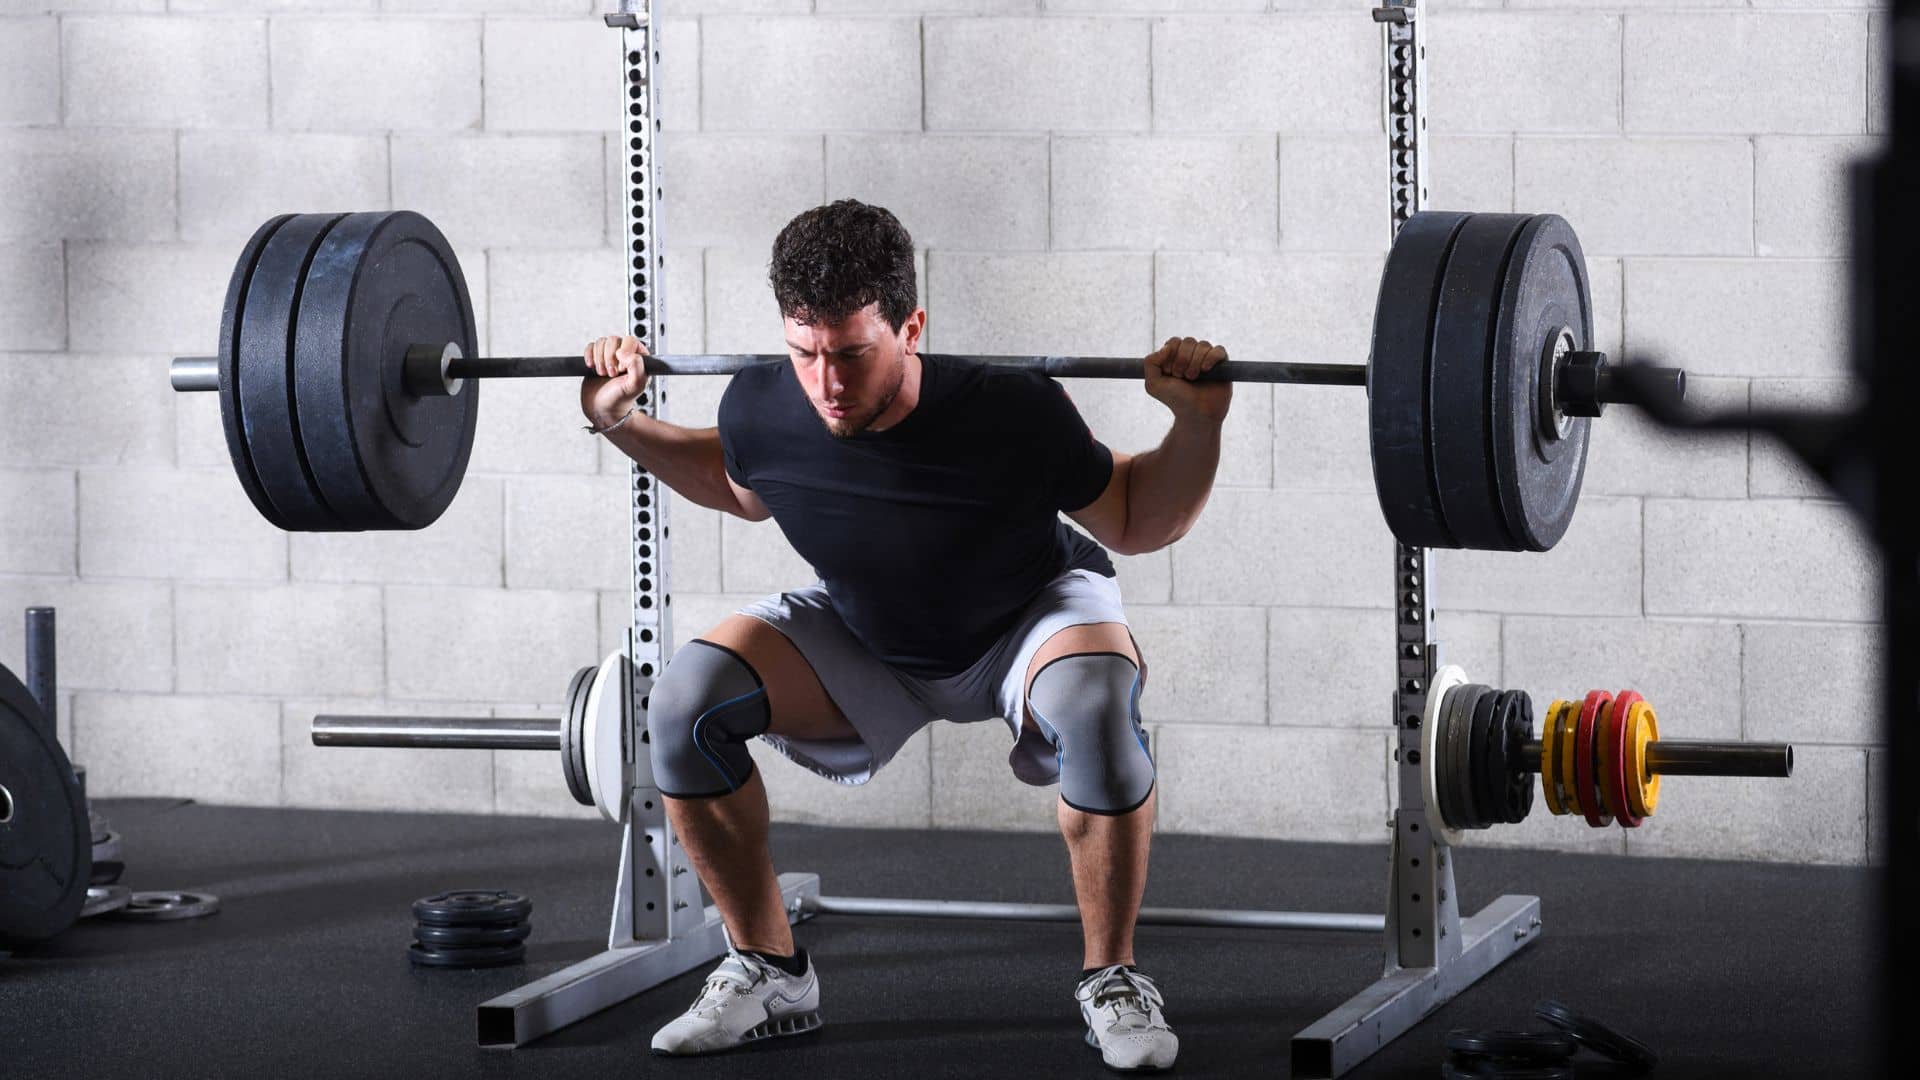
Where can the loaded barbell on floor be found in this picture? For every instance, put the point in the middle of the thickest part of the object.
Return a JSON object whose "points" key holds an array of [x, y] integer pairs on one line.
{"points": [[590, 734], [347, 347], [1600, 758]]}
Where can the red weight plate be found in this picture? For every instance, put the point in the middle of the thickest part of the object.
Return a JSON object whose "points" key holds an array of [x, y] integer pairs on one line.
{"points": [[1615, 777], [1584, 790]]}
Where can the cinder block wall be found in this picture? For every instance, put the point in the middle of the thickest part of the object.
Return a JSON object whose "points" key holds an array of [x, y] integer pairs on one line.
{"points": [[1082, 176]]}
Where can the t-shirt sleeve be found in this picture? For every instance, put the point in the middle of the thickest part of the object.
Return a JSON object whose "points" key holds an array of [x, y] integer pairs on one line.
{"points": [[1078, 464], [732, 432]]}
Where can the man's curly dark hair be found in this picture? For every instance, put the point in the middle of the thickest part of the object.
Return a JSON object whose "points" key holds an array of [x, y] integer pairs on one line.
{"points": [[834, 260]]}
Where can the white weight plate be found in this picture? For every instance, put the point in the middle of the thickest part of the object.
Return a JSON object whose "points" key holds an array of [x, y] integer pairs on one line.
{"points": [[609, 715]]}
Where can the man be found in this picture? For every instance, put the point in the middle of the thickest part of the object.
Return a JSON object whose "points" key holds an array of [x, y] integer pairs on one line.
{"points": [[925, 491]]}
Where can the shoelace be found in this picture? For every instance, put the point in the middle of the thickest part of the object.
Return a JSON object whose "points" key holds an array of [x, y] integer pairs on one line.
{"points": [[1128, 992], [735, 976]]}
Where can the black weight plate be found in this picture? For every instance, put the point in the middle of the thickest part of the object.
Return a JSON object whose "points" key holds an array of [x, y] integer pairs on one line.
{"points": [[421, 956], [1443, 759], [1460, 385], [1486, 784], [1493, 760], [230, 325], [470, 937], [1596, 1036], [1540, 468], [573, 749], [1468, 1068], [269, 333], [106, 872], [472, 907], [1460, 766], [45, 846], [1513, 1047], [1520, 783], [1400, 425], [386, 459]]}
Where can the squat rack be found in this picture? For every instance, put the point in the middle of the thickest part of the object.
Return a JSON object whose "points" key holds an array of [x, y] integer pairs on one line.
{"points": [[661, 926]]}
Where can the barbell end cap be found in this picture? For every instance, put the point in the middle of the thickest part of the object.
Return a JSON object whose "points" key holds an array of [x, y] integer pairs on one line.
{"points": [[193, 373], [427, 370]]}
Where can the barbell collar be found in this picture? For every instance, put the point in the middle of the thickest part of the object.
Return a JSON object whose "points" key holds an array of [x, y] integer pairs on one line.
{"points": [[439, 732], [1685, 757], [1585, 383]]}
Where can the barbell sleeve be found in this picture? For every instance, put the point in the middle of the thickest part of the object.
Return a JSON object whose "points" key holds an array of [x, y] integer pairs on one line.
{"points": [[1687, 757], [439, 732]]}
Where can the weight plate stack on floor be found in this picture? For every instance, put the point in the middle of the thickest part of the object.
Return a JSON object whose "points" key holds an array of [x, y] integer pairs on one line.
{"points": [[45, 842], [1509, 1055], [1624, 1050], [470, 928]]}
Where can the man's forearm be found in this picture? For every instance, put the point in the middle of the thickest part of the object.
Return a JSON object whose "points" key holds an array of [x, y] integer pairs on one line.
{"points": [[688, 460], [1168, 485]]}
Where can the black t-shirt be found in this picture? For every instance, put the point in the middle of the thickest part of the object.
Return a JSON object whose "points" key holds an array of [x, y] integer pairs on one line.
{"points": [[932, 535]]}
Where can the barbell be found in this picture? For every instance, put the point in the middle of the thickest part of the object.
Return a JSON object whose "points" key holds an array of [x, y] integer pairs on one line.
{"points": [[347, 346]]}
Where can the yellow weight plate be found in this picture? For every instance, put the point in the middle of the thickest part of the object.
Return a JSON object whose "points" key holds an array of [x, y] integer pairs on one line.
{"points": [[1549, 763], [1564, 747], [1643, 785]]}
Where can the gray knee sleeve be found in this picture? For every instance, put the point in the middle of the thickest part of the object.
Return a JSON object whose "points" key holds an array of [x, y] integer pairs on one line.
{"points": [[701, 713], [1088, 706]]}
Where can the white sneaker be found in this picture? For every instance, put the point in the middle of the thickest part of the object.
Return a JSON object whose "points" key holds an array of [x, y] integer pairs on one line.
{"points": [[1122, 1011], [744, 1000]]}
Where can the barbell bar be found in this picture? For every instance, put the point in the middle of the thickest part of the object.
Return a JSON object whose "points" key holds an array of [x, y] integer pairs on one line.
{"points": [[347, 345]]}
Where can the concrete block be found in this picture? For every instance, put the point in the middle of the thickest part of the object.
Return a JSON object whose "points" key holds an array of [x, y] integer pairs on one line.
{"points": [[1012, 303], [533, 426], [223, 750], [1594, 570], [375, 778], [464, 547], [1803, 193], [756, 558], [1173, 7], [741, 315], [199, 525], [1819, 815], [1770, 558], [1318, 177], [1320, 439], [1534, 71], [1606, 281], [900, 795], [1052, 74], [1879, 64], [549, 74], [1277, 783], [973, 787], [1772, 72], [33, 310], [1327, 667], [39, 430], [1185, 193], [1690, 671], [547, 301], [695, 551], [679, 73], [569, 532], [1294, 73], [1203, 665], [1760, 317], [1775, 470], [1470, 172], [1813, 683], [85, 185], [531, 7], [1297, 548], [151, 72], [231, 182], [1125, 417], [951, 7], [1303, 308], [249, 640], [739, 190], [30, 71], [1877, 799], [171, 292], [541, 190], [532, 783], [199, 440], [38, 531], [115, 635], [972, 193], [1628, 454], [486, 644], [765, 74], [1146, 579], [1642, 196], [346, 74]]}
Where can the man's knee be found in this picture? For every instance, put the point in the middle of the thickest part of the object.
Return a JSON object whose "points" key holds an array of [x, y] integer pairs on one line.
{"points": [[708, 703], [1088, 706]]}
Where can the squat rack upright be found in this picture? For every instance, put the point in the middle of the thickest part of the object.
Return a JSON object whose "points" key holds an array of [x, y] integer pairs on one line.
{"points": [[661, 925]]}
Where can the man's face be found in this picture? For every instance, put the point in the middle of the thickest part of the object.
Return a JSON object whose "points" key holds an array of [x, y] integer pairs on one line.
{"points": [[852, 370]]}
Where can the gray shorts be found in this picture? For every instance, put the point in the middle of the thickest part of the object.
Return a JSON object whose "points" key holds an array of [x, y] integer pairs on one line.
{"points": [[887, 706]]}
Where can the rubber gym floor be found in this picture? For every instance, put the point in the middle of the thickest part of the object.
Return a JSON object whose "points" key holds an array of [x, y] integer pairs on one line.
{"points": [[1723, 968]]}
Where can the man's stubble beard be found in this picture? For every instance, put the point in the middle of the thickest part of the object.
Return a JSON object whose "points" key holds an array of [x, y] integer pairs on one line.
{"points": [[854, 425]]}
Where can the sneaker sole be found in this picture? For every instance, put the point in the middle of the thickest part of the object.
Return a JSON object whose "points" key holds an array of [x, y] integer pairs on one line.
{"points": [[1094, 1041], [796, 1024]]}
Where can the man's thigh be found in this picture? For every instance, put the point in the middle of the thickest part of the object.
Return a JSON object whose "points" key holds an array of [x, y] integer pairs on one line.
{"points": [[1107, 637], [799, 705]]}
